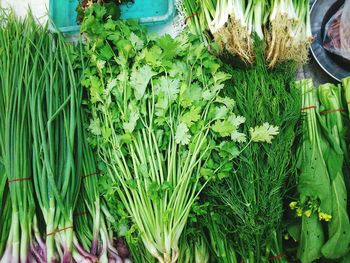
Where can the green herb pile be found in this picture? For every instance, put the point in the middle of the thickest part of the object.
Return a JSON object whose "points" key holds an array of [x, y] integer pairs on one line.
{"points": [[249, 202], [132, 146], [160, 124]]}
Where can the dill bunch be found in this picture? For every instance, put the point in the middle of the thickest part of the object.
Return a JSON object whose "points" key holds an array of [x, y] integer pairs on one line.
{"points": [[252, 196]]}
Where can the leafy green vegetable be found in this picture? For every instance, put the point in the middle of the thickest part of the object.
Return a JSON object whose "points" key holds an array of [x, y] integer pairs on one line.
{"points": [[338, 243], [153, 129], [314, 185], [252, 193]]}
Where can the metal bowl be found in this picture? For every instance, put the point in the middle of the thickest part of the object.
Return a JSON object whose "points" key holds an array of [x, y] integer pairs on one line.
{"points": [[321, 12]]}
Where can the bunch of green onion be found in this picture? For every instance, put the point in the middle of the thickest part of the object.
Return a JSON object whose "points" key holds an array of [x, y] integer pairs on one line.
{"points": [[43, 152], [236, 26], [15, 79]]}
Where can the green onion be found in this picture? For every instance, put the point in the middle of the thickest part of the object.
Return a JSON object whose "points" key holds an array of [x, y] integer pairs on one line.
{"points": [[15, 61]]}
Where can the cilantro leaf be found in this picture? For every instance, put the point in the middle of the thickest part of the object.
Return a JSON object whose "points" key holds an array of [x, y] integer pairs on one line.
{"points": [[131, 124], [223, 127], [220, 112], [229, 103], [182, 135], [263, 133], [95, 127], [169, 87], [137, 42], [106, 52], [139, 80], [169, 46], [228, 148], [238, 137], [191, 116], [191, 94], [96, 89]]}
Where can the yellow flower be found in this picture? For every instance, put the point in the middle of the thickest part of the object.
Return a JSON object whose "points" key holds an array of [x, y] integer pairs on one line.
{"points": [[324, 216], [299, 211], [308, 213], [293, 205]]}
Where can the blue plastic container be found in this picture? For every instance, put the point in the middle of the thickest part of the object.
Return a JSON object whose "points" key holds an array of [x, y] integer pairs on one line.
{"points": [[150, 12]]}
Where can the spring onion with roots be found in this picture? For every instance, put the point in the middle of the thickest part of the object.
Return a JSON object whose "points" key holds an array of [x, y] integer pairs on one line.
{"points": [[194, 19], [236, 25], [289, 35], [228, 23], [159, 123], [15, 77]]}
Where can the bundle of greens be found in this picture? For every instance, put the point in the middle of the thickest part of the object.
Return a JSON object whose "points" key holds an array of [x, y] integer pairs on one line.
{"points": [[331, 118], [55, 101], [289, 34], [15, 142], [4, 197], [322, 194], [41, 151], [91, 223], [236, 26], [159, 123], [314, 186], [252, 195]]}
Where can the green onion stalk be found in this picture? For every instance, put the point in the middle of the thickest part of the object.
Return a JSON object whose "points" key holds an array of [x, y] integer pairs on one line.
{"points": [[301, 32], [156, 121], [55, 101], [194, 18], [313, 181], [5, 217], [97, 239], [289, 36], [4, 199], [256, 16], [15, 75], [331, 117]]}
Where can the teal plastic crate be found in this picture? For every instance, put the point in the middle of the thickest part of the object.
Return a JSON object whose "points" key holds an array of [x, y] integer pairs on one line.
{"points": [[150, 12]]}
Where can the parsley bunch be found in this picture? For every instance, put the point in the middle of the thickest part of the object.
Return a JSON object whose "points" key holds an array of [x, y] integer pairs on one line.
{"points": [[159, 122]]}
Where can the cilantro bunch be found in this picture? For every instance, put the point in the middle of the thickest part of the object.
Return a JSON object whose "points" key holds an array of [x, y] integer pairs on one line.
{"points": [[159, 122]]}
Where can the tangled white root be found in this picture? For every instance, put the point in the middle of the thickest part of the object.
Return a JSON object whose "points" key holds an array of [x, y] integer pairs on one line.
{"points": [[236, 40]]}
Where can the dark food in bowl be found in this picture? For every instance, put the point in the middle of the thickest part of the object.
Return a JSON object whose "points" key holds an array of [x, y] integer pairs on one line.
{"points": [[336, 39]]}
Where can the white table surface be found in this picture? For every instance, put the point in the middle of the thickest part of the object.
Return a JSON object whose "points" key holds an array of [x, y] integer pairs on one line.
{"points": [[39, 7]]}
